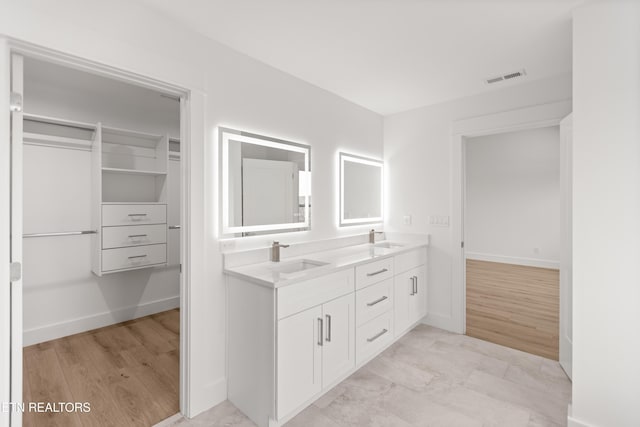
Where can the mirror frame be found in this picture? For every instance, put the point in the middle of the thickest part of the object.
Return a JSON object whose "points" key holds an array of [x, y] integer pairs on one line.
{"points": [[344, 222], [224, 135]]}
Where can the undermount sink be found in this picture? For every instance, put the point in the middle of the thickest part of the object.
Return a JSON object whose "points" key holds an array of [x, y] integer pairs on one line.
{"points": [[297, 266], [388, 245]]}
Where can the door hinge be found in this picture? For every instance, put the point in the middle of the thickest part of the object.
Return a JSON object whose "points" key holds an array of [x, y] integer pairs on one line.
{"points": [[15, 271], [15, 104], [462, 245], [180, 268]]}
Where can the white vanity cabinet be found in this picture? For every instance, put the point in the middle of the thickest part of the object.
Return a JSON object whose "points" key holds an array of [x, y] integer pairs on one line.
{"points": [[410, 290], [315, 349], [290, 343]]}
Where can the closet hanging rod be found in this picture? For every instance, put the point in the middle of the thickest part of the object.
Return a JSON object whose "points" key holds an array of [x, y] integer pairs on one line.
{"points": [[60, 122], [62, 233]]}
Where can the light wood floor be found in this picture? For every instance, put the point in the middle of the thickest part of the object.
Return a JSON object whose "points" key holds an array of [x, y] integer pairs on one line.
{"points": [[513, 305], [129, 372]]}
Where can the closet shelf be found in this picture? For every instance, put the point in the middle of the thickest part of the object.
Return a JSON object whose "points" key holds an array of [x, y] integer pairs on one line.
{"points": [[58, 121], [56, 141], [133, 172]]}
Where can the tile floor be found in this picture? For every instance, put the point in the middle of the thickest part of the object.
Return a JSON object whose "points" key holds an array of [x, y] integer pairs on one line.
{"points": [[431, 377]]}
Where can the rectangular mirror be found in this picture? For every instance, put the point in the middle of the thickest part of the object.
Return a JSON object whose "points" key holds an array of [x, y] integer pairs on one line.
{"points": [[266, 184], [361, 184]]}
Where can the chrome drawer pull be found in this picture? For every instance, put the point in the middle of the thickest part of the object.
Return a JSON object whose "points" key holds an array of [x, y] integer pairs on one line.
{"points": [[413, 285], [141, 214], [328, 338], [378, 335], [384, 270], [377, 301], [320, 334], [131, 236], [137, 256]]}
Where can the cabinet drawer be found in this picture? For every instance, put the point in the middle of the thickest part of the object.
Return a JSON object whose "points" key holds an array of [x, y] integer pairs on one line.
{"points": [[409, 260], [133, 235], [374, 272], [133, 214], [134, 257], [300, 296], [373, 301], [373, 336]]}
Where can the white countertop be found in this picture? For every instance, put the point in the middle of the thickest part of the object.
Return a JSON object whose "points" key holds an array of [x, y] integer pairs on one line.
{"points": [[336, 259]]}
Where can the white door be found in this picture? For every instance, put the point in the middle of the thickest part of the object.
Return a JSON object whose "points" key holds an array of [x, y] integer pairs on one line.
{"points": [[16, 235], [269, 192], [566, 279], [402, 300], [418, 295], [300, 340], [338, 353]]}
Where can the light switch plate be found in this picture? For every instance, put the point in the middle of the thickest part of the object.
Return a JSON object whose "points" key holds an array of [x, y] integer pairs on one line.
{"points": [[439, 220], [406, 220]]}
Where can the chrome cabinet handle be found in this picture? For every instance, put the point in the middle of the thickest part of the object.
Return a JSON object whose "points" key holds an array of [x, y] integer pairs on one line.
{"points": [[328, 338], [379, 300], [131, 236], [384, 270], [320, 334], [140, 214], [413, 285], [378, 335], [137, 256]]}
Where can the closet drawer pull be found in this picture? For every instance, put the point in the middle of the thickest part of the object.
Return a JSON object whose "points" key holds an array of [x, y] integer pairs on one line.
{"points": [[379, 300], [137, 235], [378, 335], [140, 214], [375, 273], [137, 256]]}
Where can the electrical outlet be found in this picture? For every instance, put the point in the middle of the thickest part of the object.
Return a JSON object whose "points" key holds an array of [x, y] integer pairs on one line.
{"points": [[406, 220], [227, 245]]}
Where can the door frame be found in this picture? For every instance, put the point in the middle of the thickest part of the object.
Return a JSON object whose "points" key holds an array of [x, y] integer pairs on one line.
{"points": [[188, 127], [533, 117]]}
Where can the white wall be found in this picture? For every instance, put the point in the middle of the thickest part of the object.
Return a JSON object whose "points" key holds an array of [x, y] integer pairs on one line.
{"points": [[417, 151], [227, 89], [606, 214], [512, 210]]}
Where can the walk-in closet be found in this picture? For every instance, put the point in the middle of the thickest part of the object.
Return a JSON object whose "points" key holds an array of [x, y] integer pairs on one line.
{"points": [[101, 177]]}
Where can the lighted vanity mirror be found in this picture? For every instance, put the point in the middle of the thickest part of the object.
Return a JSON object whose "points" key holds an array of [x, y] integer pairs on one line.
{"points": [[265, 184], [360, 190]]}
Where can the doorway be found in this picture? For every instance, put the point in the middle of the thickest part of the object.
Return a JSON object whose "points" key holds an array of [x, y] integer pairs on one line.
{"points": [[512, 239], [98, 322]]}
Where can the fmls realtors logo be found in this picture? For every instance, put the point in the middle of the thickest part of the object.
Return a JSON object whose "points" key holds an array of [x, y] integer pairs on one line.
{"points": [[52, 407]]}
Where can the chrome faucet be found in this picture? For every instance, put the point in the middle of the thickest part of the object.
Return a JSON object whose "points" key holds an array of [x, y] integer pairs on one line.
{"points": [[275, 251], [372, 235]]}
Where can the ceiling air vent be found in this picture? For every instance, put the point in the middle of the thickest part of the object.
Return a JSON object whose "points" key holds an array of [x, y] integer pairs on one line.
{"points": [[508, 76]]}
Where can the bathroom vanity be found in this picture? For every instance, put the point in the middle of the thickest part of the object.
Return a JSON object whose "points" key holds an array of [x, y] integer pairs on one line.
{"points": [[298, 327]]}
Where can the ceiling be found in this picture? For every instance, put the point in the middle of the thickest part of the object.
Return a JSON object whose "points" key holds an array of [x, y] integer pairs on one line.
{"points": [[391, 55]]}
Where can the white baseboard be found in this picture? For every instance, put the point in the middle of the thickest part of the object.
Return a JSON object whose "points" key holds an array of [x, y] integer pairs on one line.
{"points": [[99, 320], [529, 262], [442, 322], [211, 395]]}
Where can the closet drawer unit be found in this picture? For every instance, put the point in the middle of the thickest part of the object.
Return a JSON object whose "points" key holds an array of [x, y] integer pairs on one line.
{"points": [[133, 235], [373, 336], [409, 260], [113, 215], [301, 296], [134, 257], [373, 301], [374, 272]]}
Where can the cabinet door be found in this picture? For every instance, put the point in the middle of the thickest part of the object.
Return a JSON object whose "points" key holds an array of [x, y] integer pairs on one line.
{"points": [[418, 299], [402, 301], [299, 359], [338, 353]]}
